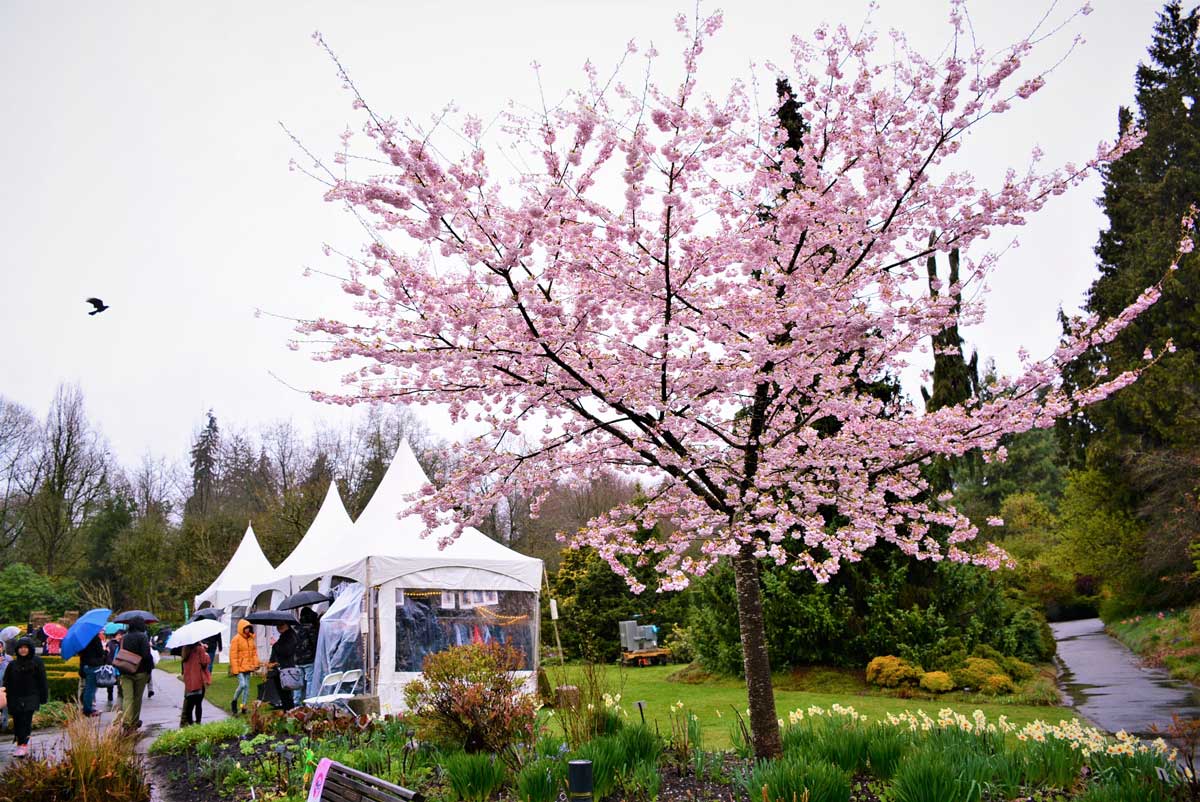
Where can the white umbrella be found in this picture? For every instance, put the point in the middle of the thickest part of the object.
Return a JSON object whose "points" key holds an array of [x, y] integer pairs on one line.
{"points": [[194, 632], [8, 633]]}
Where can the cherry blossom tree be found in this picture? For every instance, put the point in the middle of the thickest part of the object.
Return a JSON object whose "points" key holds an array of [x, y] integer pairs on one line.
{"points": [[709, 295]]}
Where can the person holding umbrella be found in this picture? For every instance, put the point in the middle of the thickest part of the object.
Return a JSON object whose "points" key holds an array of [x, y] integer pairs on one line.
{"points": [[135, 664], [83, 639], [283, 655], [243, 661], [26, 688], [91, 657], [189, 640]]}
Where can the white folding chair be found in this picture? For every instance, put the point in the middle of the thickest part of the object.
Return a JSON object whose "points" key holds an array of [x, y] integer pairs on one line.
{"points": [[353, 676], [328, 691]]}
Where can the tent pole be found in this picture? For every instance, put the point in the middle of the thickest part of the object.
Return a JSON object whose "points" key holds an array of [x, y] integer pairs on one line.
{"points": [[562, 658], [370, 650]]}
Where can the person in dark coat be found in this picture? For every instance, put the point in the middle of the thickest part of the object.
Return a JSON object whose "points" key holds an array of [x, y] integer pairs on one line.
{"points": [[283, 655], [133, 683], [213, 647], [26, 688], [306, 647], [90, 659]]}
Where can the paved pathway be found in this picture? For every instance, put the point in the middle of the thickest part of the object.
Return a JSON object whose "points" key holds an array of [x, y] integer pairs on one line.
{"points": [[158, 714], [1108, 684]]}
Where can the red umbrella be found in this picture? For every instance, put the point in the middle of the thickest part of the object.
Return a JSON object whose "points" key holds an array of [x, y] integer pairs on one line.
{"points": [[56, 631]]}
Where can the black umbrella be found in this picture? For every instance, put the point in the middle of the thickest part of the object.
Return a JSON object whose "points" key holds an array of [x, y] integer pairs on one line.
{"points": [[128, 615], [272, 617], [213, 613], [303, 599]]}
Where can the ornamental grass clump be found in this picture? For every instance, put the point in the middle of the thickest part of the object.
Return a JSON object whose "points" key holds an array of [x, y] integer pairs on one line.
{"points": [[97, 764], [541, 780], [844, 746], [885, 749], [794, 777], [473, 777], [608, 759], [926, 776]]}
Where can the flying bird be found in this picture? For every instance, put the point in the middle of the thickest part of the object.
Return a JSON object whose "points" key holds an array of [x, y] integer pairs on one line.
{"points": [[100, 306]]}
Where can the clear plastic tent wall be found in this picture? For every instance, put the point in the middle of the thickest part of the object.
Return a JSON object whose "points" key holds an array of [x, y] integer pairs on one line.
{"points": [[431, 620], [339, 642]]}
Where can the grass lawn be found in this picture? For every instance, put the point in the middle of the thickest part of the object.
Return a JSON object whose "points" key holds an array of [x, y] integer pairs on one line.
{"points": [[220, 693], [715, 700]]}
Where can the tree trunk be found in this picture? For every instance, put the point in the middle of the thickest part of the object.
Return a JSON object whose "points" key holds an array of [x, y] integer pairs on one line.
{"points": [[764, 723]]}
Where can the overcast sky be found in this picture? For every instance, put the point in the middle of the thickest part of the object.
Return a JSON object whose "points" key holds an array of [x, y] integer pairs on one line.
{"points": [[141, 160]]}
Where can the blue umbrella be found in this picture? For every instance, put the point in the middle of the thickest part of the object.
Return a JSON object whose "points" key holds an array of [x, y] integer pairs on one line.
{"points": [[112, 628], [82, 631]]}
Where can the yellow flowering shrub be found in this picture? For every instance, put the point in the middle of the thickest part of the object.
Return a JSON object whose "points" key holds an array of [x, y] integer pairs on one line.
{"points": [[937, 682], [890, 671]]}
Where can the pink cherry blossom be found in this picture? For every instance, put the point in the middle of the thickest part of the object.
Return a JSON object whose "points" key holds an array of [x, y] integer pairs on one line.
{"points": [[667, 290]]}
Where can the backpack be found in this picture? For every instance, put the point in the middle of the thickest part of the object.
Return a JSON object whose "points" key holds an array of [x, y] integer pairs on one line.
{"points": [[106, 676]]}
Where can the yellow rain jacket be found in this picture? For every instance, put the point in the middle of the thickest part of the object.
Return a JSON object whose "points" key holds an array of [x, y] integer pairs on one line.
{"points": [[243, 652]]}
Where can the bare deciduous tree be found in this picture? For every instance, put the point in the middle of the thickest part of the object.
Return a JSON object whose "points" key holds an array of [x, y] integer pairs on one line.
{"points": [[67, 480], [18, 431]]}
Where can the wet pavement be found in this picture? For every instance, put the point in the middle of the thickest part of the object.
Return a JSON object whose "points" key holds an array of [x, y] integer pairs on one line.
{"points": [[158, 714], [1107, 683]]}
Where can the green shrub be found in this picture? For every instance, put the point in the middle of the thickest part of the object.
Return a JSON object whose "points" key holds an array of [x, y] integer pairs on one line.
{"points": [[473, 777], [52, 714], [793, 777], [469, 697], [177, 742], [541, 780], [23, 590], [679, 641], [937, 682], [974, 673], [891, 672], [1018, 669], [63, 686]]}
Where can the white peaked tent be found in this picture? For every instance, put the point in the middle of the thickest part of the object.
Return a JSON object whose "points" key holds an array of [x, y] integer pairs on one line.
{"points": [[323, 545], [231, 589], [247, 566], [426, 598]]}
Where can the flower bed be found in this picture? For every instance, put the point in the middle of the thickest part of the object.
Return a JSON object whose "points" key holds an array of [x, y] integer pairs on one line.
{"points": [[837, 754]]}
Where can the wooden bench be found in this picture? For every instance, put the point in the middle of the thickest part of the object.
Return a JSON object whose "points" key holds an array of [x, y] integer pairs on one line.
{"points": [[333, 782]]}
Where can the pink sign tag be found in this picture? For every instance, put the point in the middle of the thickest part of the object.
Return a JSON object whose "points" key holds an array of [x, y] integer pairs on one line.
{"points": [[318, 780]]}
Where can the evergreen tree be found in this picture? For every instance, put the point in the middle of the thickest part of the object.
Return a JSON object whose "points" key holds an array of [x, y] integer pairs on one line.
{"points": [[204, 467], [1155, 422]]}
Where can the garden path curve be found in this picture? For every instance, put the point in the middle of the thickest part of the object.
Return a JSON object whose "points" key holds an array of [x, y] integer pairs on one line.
{"points": [[1107, 683]]}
